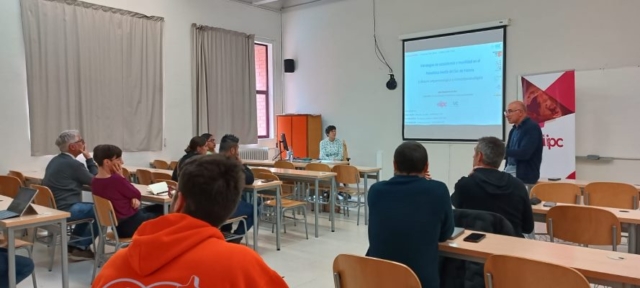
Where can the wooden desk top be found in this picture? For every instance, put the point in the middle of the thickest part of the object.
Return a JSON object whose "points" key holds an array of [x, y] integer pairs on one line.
{"points": [[133, 169], [300, 173], [44, 214], [260, 185], [33, 175], [630, 216], [592, 263], [268, 163], [580, 183], [146, 196]]}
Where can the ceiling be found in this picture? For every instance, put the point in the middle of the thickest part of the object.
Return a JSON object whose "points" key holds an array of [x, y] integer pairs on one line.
{"points": [[276, 5]]}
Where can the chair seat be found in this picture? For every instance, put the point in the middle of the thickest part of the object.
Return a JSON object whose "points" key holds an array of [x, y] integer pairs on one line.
{"points": [[286, 203], [351, 190], [112, 236], [19, 243]]}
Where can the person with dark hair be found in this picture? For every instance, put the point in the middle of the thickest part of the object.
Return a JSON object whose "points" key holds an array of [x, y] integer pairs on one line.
{"points": [[332, 148], [489, 189], [124, 197], [197, 146], [184, 248], [211, 143], [229, 147], [410, 214]]}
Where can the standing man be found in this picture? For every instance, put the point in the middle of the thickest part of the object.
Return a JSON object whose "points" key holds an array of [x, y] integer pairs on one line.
{"points": [[524, 146]]}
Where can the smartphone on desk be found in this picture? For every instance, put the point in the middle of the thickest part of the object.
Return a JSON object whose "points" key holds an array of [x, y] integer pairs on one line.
{"points": [[474, 237]]}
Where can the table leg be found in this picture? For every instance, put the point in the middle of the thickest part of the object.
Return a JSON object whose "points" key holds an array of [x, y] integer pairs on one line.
{"points": [[255, 216], [166, 208], [278, 216], [64, 256], [11, 248], [316, 205], [333, 203], [634, 240]]}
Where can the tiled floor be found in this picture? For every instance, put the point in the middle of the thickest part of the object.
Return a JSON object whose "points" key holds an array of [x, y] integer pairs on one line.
{"points": [[303, 263]]}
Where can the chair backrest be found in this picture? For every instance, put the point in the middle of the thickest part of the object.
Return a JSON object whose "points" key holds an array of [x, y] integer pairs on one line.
{"points": [[9, 186], [346, 174], [173, 165], [126, 174], [44, 197], [267, 176], [503, 271], [18, 175], [257, 171], [159, 177], [160, 164], [557, 192], [284, 165], [345, 153], [318, 167], [584, 225], [144, 177], [352, 271], [611, 194], [171, 183], [105, 214]]}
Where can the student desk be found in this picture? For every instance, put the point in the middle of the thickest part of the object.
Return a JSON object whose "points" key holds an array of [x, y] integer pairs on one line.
{"points": [[594, 264], [580, 183], [46, 216], [257, 186], [315, 177], [630, 218], [146, 196], [365, 173]]}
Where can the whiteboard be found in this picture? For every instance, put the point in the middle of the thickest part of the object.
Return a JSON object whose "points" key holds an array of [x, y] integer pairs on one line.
{"points": [[607, 108]]}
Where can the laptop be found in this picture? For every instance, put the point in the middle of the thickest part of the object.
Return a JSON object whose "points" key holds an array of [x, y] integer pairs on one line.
{"points": [[20, 204], [457, 231]]}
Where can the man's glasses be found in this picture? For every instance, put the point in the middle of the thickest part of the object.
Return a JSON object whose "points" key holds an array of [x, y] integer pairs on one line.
{"points": [[511, 111], [81, 141]]}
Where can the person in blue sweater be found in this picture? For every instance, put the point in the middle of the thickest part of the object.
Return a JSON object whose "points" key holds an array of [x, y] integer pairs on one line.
{"points": [[410, 214]]}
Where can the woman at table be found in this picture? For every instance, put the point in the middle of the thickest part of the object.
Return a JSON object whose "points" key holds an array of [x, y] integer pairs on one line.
{"points": [[332, 148], [125, 198], [197, 146]]}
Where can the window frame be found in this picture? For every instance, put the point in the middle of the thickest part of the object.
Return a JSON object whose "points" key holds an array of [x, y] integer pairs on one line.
{"points": [[265, 92]]}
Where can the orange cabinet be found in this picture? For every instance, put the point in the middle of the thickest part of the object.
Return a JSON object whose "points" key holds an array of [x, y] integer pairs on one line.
{"points": [[303, 132]]}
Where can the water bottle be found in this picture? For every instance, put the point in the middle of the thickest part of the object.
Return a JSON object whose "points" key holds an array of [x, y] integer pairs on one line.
{"points": [[290, 155]]}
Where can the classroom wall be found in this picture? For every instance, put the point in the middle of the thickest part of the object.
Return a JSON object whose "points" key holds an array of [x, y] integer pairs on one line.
{"points": [[178, 128], [340, 77]]}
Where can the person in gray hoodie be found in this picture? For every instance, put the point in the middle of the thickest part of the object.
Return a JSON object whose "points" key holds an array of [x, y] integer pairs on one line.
{"points": [[489, 189]]}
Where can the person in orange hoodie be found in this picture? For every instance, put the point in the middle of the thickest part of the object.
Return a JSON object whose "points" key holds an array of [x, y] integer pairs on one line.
{"points": [[185, 249]]}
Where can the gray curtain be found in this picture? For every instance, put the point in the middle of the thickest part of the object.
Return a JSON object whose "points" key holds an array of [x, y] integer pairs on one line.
{"points": [[224, 83], [96, 69]]}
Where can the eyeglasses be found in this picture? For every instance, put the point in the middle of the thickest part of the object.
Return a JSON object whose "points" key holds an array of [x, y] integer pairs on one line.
{"points": [[511, 111], [81, 141]]}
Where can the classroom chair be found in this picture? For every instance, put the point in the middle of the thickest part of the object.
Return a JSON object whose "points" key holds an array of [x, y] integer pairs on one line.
{"points": [[241, 221], [144, 177], [352, 271], [611, 194], [26, 246], [157, 177], [567, 193], [20, 177], [160, 164], [107, 220], [347, 174], [286, 205], [502, 271], [284, 165], [584, 225], [9, 186]]}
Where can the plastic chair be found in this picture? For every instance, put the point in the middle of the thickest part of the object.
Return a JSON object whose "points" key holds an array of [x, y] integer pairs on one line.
{"points": [[9, 186], [557, 192], [160, 164], [502, 271], [611, 194], [351, 271], [584, 225]]}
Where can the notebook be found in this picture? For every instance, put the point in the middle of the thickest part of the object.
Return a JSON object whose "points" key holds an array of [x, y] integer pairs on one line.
{"points": [[159, 188]]}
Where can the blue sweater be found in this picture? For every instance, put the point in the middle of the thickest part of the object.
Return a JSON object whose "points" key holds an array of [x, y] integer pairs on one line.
{"points": [[525, 149], [409, 216]]}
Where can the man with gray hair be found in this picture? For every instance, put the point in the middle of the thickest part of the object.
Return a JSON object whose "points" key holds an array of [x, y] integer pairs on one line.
{"points": [[66, 176], [489, 189]]}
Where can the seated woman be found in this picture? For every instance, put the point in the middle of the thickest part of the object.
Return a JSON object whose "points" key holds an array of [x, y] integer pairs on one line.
{"points": [[211, 143], [197, 146], [332, 148], [125, 198]]}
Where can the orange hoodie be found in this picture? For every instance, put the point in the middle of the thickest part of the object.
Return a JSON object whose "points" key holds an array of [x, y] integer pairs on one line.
{"points": [[177, 250]]}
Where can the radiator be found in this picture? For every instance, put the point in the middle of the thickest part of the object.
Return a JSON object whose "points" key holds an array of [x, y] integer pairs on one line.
{"points": [[254, 153]]}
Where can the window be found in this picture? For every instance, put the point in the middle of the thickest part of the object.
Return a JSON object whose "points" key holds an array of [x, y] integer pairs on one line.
{"points": [[262, 89]]}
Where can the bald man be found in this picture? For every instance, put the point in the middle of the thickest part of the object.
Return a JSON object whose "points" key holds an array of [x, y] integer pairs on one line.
{"points": [[524, 145]]}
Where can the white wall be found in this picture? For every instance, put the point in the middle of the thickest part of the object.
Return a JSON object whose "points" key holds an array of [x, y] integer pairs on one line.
{"points": [[178, 15], [340, 77]]}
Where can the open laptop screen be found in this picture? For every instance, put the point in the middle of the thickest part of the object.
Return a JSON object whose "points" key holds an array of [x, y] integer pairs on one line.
{"points": [[22, 200]]}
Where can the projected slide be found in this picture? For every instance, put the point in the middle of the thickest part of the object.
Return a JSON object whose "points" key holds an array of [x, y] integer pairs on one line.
{"points": [[453, 86]]}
